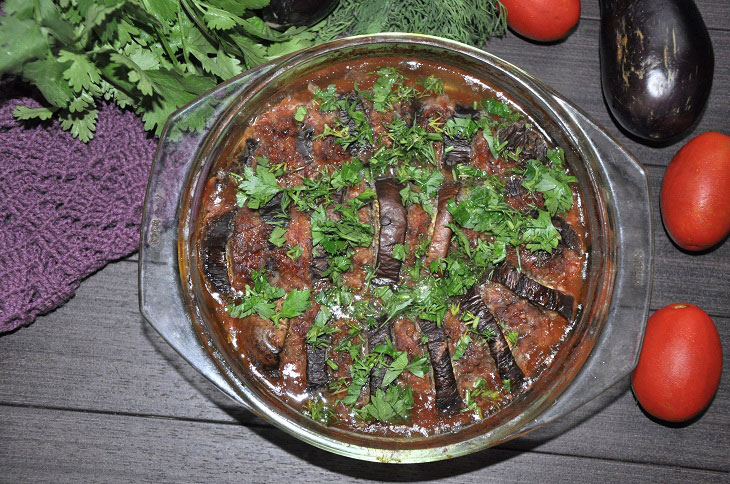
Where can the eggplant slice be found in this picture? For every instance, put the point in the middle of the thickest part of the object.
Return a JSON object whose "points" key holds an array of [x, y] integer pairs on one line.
{"points": [[447, 393], [264, 342], [317, 376], [568, 236], [213, 252], [498, 347], [272, 210], [246, 155], [305, 142], [380, 335], [508, 275], [393, 225], [529, 142]]}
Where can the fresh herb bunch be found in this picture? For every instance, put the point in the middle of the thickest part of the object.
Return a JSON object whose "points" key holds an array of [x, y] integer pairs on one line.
{"points": [[154, 56]]}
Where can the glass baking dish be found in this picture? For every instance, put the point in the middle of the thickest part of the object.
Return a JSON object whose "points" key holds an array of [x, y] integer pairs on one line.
{"points": [[602, 349]]}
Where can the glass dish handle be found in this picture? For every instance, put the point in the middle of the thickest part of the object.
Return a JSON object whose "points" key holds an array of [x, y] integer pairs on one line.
{"points": [[160, 298], [617, 348]]}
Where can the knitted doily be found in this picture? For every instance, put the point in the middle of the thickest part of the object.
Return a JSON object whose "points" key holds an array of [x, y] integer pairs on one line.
{"points": [[66, 208]]}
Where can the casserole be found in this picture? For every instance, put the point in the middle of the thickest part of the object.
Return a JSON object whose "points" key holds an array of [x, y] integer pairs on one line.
{"points": [[603, 347]]}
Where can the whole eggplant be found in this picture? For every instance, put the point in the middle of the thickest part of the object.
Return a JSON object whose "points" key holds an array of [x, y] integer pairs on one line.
{"points": [[656, 66], [287, 13]]}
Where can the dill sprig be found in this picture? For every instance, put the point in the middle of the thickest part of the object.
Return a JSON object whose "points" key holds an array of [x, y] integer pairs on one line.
{"points": [[469, 21]]}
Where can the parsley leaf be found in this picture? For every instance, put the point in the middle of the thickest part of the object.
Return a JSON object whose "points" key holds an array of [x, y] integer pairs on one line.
{"points": [[258, 188], [553, 183], [399, 252], [317, 334], [277, 236], [460, 346], [300, 113], [295, 303], [392, 405]]}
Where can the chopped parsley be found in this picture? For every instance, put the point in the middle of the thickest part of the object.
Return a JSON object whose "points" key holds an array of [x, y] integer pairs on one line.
{"points": [[460, 346], [400, 251], [552, 182], [500, 109], [261, 300], [295, 252], [432, 85], [277, 236], [485, 210], [336, 236], [316, 409], [392, 405], [300, 114], [389, 88], [318, 334], [479, 388], [256, 189]]}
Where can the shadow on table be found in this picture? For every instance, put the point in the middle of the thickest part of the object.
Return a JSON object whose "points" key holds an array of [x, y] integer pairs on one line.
{"points": [[373, 470]]}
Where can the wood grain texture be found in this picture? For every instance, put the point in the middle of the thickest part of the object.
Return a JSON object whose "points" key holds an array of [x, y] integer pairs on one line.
{"points": [[83, 447], [90, 393]]}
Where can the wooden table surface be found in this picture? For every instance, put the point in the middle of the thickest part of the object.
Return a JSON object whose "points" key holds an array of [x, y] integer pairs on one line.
{"points": [[90, 393]]}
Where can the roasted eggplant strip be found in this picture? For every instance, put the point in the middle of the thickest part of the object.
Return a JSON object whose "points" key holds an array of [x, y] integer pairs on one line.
{"points": [[213, 252], [246, 156], [441, 232], [457, 151], [305, 142], [447, 393], [272, 211], [498, 347], [568, 237], [548, 298], [317, 376], [380, 335], [264, 341], [393, 225], [528, 142]]}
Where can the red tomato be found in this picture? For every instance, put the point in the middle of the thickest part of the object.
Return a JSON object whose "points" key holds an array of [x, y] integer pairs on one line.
{"points": [[696, 192], [680, 363], [543, 20]]}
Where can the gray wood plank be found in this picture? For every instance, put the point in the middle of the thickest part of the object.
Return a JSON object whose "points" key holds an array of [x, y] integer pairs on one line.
{"points": [[714, 12], [96, 354], [62, 446]]}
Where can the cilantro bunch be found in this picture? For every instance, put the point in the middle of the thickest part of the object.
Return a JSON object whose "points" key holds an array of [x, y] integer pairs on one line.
{"points": [[151, 55], [154, 56]]}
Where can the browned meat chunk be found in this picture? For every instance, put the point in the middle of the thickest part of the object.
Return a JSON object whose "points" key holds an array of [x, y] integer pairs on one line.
{"points": [[247, 247]]}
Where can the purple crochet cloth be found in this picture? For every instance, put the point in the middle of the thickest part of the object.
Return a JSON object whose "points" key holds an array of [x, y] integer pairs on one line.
{"points": [[66, 208]]}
